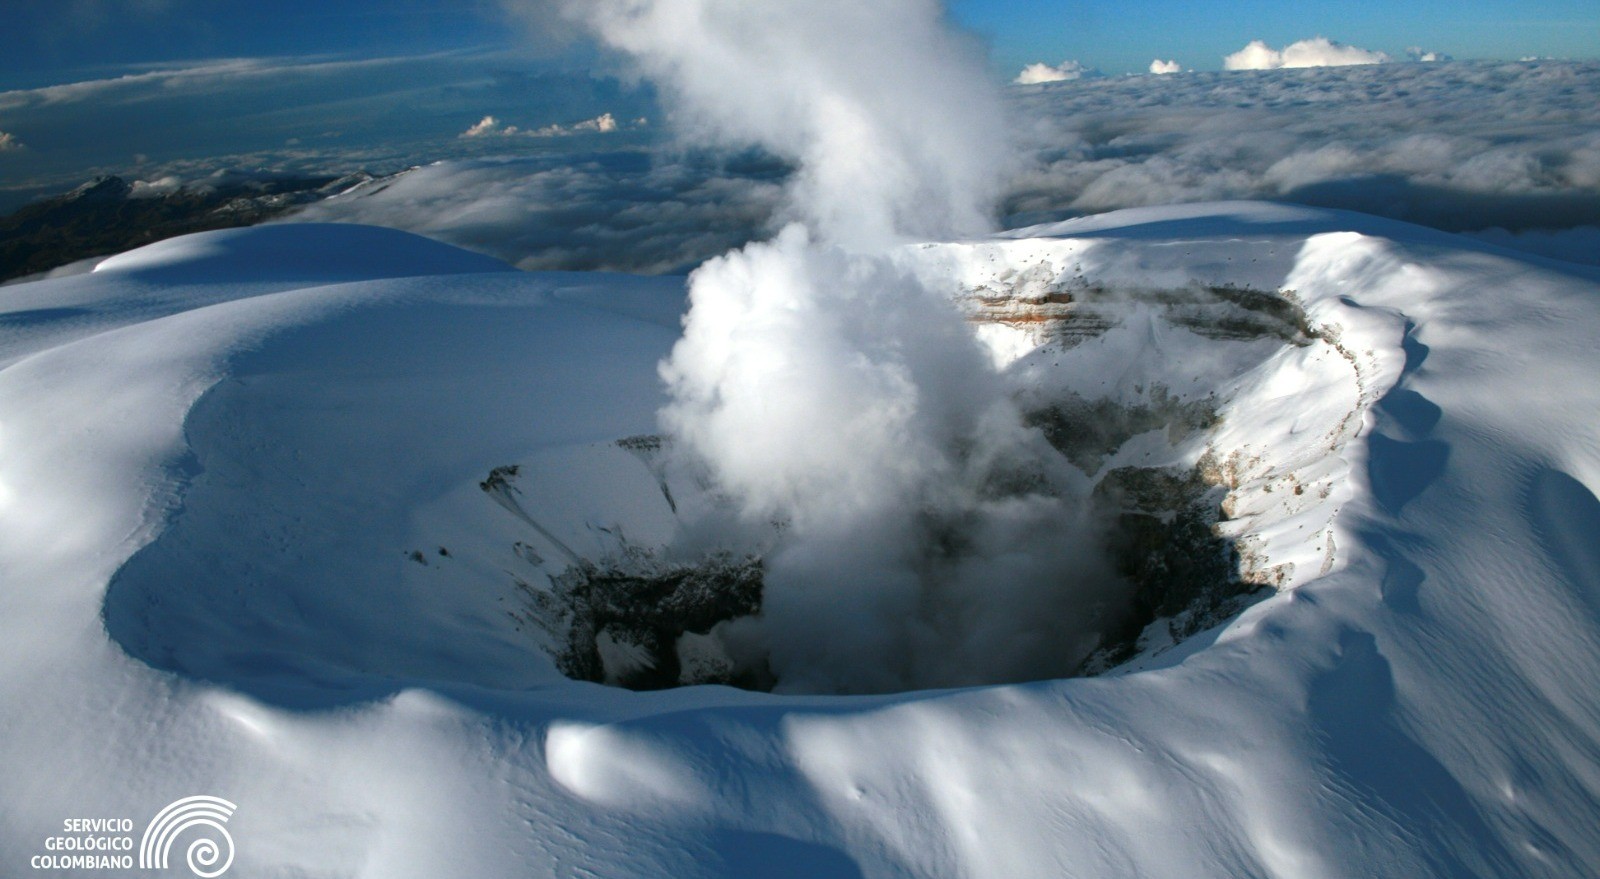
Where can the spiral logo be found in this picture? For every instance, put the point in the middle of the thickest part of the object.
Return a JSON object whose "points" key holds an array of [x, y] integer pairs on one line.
{"points": [[207, 856]]}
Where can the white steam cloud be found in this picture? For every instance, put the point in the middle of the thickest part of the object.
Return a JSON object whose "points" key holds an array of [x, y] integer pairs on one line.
{"points": [[826, 387], [892, 137], [9, 142], [1315, 52], [1159, 67], [835, 393], [1066, 71]]}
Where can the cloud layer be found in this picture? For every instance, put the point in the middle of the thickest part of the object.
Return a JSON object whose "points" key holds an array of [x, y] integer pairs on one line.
{"points": [[1457, 145], [625, 211]]}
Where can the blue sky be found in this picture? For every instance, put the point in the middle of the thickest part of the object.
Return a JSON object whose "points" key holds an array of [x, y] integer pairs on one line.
{"points": [[1125, 36], [48, 41], [344, 83]]}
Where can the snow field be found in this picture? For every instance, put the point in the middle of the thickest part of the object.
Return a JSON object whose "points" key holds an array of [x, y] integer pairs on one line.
{"points": [[210, 486]]}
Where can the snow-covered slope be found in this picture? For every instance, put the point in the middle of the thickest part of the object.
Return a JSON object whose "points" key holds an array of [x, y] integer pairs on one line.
{"points": [[245, 551]]}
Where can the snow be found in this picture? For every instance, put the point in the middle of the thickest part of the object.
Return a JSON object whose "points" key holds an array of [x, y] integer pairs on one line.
{"points": [[218, 453]]}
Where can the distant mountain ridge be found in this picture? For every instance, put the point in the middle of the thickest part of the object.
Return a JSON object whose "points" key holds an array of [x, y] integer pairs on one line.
{"points": [[108, 215]]}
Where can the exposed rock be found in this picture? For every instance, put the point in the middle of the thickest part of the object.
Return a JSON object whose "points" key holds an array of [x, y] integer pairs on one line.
{"points": [[1087, 431], [622, 622], [1069, 312]]}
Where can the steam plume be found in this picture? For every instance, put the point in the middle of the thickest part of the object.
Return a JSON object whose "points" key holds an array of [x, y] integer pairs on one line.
{"points": [[822, 383], [888, 113]]}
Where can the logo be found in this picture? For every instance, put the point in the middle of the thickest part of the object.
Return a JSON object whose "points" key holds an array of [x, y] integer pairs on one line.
{"points": [[205, 852], [107, 843]]}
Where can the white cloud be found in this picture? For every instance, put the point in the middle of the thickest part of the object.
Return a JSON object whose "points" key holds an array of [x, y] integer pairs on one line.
{"points": [[1158, 66], [605, 123], [156, 188], [1417, 53], [1256, 55], [9, 142], [1063, 72], [1315, 52], [212, 75], [490, 127]]}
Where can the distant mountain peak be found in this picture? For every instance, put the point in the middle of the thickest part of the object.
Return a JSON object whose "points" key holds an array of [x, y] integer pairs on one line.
{"points": [[106, 187]]}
